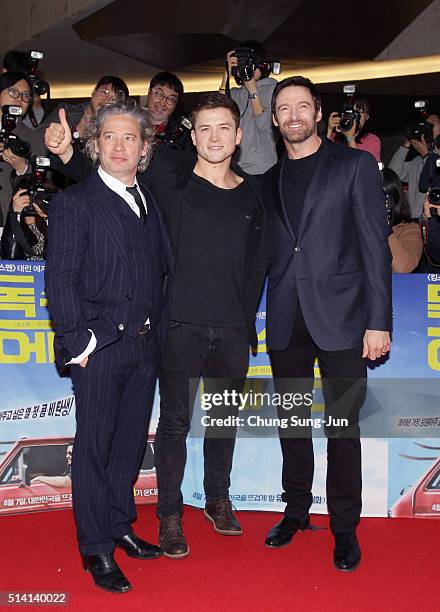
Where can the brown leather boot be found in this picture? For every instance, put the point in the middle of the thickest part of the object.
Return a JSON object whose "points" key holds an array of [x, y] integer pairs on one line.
{"points": [[171, 537], [220, 513]]}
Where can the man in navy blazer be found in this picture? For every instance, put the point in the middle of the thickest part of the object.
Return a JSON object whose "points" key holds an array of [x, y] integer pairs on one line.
{"points": [[108, 263], [328, 298]]}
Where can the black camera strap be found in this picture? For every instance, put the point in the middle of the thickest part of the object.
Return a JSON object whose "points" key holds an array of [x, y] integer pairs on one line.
{"points": [[227, 85]]}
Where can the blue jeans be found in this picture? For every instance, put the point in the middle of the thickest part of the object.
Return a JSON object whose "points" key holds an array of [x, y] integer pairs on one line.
{"points": [[193, 351]]}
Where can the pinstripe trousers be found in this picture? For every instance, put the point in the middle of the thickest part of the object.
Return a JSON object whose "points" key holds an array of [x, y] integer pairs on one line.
{"points": [[114, 397]]}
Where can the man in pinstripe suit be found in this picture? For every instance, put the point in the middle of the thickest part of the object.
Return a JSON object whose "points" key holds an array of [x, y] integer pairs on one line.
{"points": [[106, 280]]}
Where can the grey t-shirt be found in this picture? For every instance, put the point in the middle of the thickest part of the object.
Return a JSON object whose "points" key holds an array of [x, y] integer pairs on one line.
{"points": [[257, 151]]}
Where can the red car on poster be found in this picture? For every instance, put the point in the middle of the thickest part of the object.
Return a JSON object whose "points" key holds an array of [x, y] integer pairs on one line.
{"points": [[422, 499], [35, 475]]}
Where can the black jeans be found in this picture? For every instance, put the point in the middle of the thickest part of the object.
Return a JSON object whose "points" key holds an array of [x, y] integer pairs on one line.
{"points": [[193, 351], [344, 387]]}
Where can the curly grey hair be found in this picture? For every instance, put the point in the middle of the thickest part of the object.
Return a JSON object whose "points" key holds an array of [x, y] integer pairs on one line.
{"points": [[127, 107]]}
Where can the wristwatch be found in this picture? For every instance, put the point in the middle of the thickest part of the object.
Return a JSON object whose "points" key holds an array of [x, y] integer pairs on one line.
{"points": [[253, 95]]}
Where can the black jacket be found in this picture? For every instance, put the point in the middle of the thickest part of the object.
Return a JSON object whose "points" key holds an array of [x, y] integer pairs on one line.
{"points": [[167, 177], [339, 264]]}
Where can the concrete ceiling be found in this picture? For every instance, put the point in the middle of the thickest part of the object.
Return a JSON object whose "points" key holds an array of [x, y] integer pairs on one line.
{"points": [[134, 39]]}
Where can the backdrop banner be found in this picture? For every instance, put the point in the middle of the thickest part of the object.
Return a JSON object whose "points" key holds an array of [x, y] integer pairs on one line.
{"points": [[400, 421]]}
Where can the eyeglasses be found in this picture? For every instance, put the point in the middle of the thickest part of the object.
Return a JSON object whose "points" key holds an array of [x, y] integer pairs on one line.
{"points": [[26, 96], [108, 93], [159, 96]]}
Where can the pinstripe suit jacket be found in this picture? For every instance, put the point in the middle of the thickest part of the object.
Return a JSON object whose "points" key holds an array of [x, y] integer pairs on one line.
{"points": [[87, 275]]}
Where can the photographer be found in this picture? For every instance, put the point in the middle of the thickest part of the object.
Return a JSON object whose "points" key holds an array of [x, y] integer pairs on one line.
{"points": [[107, 89], [25, 235], [405, 240], [359, 136], [15, 91], [410, 171], [257, 152], [430, 224], [171, 128], [430, 175], [164, 94], [20, 61]]}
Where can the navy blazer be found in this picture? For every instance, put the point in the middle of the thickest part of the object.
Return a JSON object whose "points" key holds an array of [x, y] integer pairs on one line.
{"points": [[87, 273], [339, 264]]}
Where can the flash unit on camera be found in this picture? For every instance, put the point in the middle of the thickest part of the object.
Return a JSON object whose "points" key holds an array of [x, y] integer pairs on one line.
{"points": [[186, 123], [36, 55], [42, 161], [15, 110], [420, 104], [349, 89], [276, 68]]}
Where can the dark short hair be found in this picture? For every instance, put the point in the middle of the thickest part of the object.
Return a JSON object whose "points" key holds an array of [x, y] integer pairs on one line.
{"points": [[16, 61], [216, 100], [7, 79], [118, 84], [361, 102], [400, 210], [297, 81], [167, 79]]}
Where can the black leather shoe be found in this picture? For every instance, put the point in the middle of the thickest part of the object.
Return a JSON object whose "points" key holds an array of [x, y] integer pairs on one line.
{"points": [[282, 533], [106, 573], [347, 554], [137, 548]]}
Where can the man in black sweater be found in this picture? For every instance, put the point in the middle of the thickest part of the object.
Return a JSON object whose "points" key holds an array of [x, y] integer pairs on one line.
{"points": [[215, 218]]}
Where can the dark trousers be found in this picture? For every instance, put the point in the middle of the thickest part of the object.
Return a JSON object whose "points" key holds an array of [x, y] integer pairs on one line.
{"points": [[193, 351], [114, 398], [344, 387]]}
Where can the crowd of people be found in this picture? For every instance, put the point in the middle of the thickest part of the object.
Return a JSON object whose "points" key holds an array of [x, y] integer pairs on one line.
{"points": [[25, 234], [158, 255]]}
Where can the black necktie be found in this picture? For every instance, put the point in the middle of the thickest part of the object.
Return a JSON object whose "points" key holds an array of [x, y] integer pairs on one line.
{"points": [[137, 198]]}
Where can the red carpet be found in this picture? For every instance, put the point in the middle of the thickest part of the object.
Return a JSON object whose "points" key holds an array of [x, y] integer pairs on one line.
{"points": [[399, 569]]}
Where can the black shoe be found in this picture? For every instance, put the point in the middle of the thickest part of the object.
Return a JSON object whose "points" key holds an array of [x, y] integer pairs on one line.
{"points": [[347, 554], [220, 513], [137, 548], [171, 537], [282, 533], [106, 573]]}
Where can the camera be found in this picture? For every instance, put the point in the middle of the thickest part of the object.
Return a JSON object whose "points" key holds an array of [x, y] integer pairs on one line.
{"points": [[420, 127], [171, 138], [38, 192], [349, 116], [434, 197], [18, 147], [39, 87], [247, 64], [183, 125]]}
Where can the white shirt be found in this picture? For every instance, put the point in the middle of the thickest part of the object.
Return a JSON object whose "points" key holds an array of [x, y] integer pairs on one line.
{"points": [[120, 188]]}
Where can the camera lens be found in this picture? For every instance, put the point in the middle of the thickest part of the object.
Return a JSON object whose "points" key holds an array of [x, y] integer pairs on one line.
{"points": [[41, 88], [346, 123], [20, 148], [434, 196]]}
